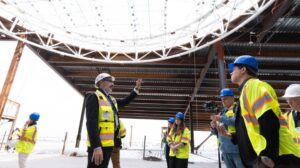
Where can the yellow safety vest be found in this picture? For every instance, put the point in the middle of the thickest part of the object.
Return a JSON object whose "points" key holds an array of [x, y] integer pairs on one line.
{"points": [[27, 139], [122, 130], [256, 98], [229, 113], [106, 120], [292, 128], [167, 135], [183, 151]]}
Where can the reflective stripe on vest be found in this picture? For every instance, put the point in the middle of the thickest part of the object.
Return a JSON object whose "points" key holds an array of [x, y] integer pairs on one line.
{"points": [[104, 103], [258, 104], [248, 116], [106, 136], [297, 140], [282, 121]]}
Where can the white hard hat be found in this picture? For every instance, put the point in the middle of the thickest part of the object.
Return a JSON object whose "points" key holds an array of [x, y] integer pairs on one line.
{"points": [[101, 77], [292, 91]]}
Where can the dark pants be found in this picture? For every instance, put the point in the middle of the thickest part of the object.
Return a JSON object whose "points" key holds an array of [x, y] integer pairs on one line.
{"points": [[178, 163], [106, 157], [259, 164], [288, 161], [167, 151], [115, 157]]}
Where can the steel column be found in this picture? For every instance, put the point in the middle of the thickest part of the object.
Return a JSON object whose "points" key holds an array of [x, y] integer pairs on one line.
{"points": [[191, 129], [80, 122], [11, 75], [221, 67]]}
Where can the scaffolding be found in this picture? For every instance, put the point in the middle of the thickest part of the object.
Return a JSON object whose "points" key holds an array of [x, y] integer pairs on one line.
{"points": [[10, 114]]}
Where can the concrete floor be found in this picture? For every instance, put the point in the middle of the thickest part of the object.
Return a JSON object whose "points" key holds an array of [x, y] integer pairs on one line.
{"points": [[61, 161]]}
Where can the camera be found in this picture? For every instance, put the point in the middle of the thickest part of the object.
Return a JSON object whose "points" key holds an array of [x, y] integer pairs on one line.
{"points": [[210, 106]]}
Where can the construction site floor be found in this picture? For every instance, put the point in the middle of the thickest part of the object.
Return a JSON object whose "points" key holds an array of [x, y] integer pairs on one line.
{"points": [[9, 160]]}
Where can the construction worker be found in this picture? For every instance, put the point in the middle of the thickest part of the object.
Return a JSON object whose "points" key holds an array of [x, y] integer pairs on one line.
{"points": [[292, 95], [102, 119], [171, 122], [27, 140], [261, 130], [179, 142], [230, 151], [115, 155]]}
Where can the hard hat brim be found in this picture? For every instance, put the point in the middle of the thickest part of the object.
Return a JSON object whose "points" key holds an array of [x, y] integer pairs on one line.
{"points": [[289, 96], [231, 67]]}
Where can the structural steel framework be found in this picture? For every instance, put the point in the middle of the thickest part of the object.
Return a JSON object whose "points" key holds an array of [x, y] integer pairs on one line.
{"points": [[219, 21]]}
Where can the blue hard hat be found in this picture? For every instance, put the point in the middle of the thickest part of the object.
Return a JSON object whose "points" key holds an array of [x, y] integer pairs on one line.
{"points": [[226, 92], [247, 60], [34, 116], [171, 120], [180, 115]]}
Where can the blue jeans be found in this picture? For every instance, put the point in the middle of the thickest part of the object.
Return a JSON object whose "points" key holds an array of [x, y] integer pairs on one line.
{"points": [[232, 160]]}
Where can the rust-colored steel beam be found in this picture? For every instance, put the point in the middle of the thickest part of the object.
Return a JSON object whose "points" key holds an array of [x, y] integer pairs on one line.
{"points": [[11, 75], [221, 64]]}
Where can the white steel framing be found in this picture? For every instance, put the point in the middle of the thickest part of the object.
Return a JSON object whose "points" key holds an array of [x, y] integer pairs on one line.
{"points": [[137, 56]]}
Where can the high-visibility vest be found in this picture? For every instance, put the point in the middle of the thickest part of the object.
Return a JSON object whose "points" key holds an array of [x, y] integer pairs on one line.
{"points": [[106, 120], [122, 130], [168, 135], [258, 97], [229, 113], [27, 139], [165, 135], [291, 125], [185, 137]]}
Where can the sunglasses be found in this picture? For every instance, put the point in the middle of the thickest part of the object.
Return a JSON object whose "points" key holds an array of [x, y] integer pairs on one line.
{"points": [[108, 80]]}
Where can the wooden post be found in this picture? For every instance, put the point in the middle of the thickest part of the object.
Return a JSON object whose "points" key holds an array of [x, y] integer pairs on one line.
{"points": [[63, 149], [11, 75]]}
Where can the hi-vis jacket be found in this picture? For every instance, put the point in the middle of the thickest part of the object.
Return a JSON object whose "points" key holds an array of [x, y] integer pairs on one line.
{"points": [[257, 97], [182, 151], [292, 127], [230, 114], [27, 139], [106, 120], [122, 130]]}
